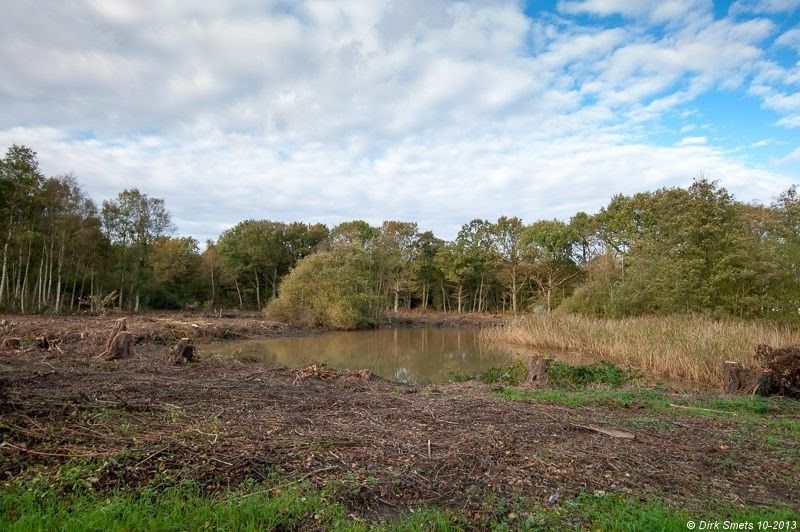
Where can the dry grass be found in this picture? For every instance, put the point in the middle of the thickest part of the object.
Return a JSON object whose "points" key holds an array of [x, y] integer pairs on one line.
{"points": [[688, 349]]}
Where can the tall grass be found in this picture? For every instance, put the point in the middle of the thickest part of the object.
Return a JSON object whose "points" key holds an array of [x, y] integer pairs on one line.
{"points": [[688, 349]]}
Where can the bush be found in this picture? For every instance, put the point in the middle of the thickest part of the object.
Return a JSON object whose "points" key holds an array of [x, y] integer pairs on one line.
{"points": [[564, 375], [331, 288]]}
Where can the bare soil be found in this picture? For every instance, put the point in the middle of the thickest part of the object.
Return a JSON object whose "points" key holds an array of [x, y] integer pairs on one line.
{"points": [[218, 422], [85, 334]]}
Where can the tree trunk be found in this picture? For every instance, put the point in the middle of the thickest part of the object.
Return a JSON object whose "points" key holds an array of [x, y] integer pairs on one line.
{"points": [[91, 292], [258, 289], [40, 281], [480, 295], [74, 288], [50, 272], [5, 258], [58, 282], [514, 291], [213, 288], [549, 299], [274, 282], [239, 292], [18, 282], [25, 278]]}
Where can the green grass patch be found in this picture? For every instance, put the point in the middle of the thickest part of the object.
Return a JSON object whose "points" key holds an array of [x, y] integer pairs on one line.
{"points": [[764, 408], [186, 507], [652, 399], [559, 376], [178, 508], [615, 512], [456, 375], [563, 375], [512, 375]]}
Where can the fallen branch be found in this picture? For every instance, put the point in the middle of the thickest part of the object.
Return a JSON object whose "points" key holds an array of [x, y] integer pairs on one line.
{"points": [[608, 432]]}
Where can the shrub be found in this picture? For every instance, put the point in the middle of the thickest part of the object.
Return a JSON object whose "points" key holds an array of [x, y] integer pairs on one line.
{"points": [[331, 288]]}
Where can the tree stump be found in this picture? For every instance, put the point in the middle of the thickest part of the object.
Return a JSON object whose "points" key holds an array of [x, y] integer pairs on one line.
{"points": [[42, 342], [120, 342], [537, 371], [183, 352], [12, 343], [741, 379]]}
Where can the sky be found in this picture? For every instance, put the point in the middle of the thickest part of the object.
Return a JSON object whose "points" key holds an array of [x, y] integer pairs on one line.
{"points": [[422, 110]]}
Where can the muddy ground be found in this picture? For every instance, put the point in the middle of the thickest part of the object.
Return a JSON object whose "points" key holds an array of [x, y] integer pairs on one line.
{"points": [[219, 422]]}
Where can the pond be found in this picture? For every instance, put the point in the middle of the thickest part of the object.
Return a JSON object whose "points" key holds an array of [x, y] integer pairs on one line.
{"points": [[413, 355]]}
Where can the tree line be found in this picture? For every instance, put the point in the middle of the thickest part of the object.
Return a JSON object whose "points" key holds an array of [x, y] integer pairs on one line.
{"points": [[673, 250]]}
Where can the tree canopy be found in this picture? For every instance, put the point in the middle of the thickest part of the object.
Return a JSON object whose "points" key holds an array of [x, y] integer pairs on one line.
{"points": [[673, 250]]}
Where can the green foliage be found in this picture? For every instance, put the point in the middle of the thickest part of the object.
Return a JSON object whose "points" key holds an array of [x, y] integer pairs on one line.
{"points": [[259, 253], [685, 250], [513, 375], [562, 375], [693, 250], [175, 280], [331, 288]]}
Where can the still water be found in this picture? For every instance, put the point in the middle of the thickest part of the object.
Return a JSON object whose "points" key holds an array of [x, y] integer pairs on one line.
{"points": [[414, 355]]}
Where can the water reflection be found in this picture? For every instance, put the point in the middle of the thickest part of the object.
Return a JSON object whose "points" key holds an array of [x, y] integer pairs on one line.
{"points": [[416, 355]]}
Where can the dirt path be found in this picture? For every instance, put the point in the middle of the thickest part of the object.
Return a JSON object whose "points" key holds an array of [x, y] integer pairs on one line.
{"points": [[220, 423]]}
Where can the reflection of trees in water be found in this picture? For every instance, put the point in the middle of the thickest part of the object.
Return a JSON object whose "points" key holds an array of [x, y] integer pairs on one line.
{"points": [[408, 354]]}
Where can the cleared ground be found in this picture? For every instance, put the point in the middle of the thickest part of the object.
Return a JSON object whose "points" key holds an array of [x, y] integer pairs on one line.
{"points": [[463, 447]]}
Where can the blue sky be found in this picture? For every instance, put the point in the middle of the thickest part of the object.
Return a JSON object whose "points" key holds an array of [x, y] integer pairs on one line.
{"points": [[424, 110]]}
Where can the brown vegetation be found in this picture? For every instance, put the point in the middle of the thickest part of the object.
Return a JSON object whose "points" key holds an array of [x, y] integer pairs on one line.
{"points": [[12, 343], [783, 368], [686, 349]]}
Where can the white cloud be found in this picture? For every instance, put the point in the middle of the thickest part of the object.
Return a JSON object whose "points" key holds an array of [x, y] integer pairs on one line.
{"points": [[761, 143], [764, 6], [422, 110], [790, 39], [692, 141], [657, 12]]}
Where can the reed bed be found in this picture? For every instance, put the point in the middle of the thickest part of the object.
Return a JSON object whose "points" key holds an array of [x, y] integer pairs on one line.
{"points": [[689, 349]]}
